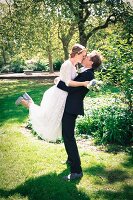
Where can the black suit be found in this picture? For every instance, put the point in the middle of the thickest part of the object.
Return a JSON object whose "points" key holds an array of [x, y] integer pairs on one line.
{"points": [[73, 108]]}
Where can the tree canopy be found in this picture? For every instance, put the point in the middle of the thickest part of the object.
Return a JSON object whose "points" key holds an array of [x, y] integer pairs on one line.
{"points": [[47, 28]]}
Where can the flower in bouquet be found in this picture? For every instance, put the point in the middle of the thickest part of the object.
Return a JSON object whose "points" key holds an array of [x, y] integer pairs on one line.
{"points": [[95, 85]]}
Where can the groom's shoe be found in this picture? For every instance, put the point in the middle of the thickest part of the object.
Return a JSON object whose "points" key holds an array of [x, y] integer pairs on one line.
{"points": [[18, 101], [27, 97], [73, 176]]}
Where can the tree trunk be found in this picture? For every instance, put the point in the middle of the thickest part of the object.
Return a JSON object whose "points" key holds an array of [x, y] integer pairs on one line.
{"points": [[66, 36], [3, 55], [65, 48], [82, 36], [50, 59]]}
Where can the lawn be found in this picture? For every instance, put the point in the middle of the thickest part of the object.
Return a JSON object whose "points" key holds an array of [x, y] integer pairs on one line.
{"points": [[32, 169]]}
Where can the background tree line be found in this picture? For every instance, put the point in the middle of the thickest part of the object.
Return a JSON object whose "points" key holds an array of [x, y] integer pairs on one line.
{"points": [[47, 29]]}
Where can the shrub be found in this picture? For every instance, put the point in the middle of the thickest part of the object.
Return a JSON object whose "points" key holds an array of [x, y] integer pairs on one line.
{"points": [[17, 66], [57, 65], [108, 125], [41, 66], [127, 86], [117, 54], [5, 69], [1, 62], [83, 126]]}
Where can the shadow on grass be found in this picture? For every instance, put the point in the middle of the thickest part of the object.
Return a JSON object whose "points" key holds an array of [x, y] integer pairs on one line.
{"points": [[50, 186], [129, 161], [126, 193], [111, 176], [53, 187], [107, 177], [115, 149]]}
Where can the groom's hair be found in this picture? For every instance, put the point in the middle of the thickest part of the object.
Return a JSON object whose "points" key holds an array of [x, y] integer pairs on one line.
{"points": [[96, 58]]}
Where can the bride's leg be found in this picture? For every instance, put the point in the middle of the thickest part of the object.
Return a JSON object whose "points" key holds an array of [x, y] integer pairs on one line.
{"points": [[26, 103]]}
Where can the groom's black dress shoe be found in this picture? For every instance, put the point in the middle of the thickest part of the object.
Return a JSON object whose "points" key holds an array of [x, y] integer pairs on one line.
{"points": [[73, 176]]}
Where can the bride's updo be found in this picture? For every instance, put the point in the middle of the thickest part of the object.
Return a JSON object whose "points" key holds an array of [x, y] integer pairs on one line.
{"points": [[77, 49]]}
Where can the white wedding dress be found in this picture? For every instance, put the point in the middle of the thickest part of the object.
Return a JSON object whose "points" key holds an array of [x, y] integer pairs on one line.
{"points": [[46, 118]]}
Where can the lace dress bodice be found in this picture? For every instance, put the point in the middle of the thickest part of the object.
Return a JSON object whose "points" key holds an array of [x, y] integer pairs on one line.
{"points": [[67, 72]]}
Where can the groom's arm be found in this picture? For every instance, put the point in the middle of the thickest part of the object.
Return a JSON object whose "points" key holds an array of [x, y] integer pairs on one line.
{"points": [[61, 85]]}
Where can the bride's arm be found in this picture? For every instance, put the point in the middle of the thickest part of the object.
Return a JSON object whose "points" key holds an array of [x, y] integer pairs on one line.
{"points": [[72, 83], [66, 76], [87, 78]]}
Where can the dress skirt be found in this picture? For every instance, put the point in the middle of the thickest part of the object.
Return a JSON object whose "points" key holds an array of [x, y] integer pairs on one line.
{"points": [[46, 119]]}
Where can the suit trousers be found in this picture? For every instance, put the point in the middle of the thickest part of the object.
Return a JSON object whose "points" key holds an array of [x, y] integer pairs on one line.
{"points": [[68, 126]]}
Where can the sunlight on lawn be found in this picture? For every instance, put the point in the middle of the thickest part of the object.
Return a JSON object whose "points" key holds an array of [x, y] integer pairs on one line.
{"points": [[32, 169]]}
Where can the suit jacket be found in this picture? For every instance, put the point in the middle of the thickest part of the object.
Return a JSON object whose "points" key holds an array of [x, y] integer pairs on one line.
{"points": [[74, 101]]}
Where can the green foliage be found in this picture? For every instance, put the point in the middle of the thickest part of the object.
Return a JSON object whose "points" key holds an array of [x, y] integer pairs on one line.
{"points": [[83, 126], [57, 65], [1, 62], [41, 66], [17, 66], [116, 52], [108, 125], [117, 57], [28, 34], [113, 125], [5, 69], [127, 86], [38, 65]]}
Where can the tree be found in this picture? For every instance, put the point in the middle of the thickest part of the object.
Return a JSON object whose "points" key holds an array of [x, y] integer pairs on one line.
{"points": [[94, 15], [27, 30], [5, 34], [91, 15], [66, 31]]}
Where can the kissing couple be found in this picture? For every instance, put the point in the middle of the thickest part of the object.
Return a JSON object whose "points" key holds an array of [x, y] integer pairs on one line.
{"points": [[62, 103]]}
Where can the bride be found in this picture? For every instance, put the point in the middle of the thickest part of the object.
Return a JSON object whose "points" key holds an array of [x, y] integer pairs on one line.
{"points": [[46, 118]]}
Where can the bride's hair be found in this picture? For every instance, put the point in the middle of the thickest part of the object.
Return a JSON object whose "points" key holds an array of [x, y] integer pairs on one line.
{"points": [[77, 49]]}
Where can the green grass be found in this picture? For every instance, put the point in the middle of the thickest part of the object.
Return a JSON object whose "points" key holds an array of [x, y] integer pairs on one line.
{"points": [[31, 169]]}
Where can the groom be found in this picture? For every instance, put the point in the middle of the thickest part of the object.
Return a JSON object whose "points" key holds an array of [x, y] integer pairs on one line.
{"points": [[73, 108]]}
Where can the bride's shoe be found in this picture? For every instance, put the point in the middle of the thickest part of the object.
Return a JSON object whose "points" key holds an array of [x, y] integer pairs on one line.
{"points": [[23, 102], [27, 97], [18, 101]]}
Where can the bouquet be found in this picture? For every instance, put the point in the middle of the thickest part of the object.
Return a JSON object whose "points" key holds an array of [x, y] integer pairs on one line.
{"points": [[94, 85]]}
